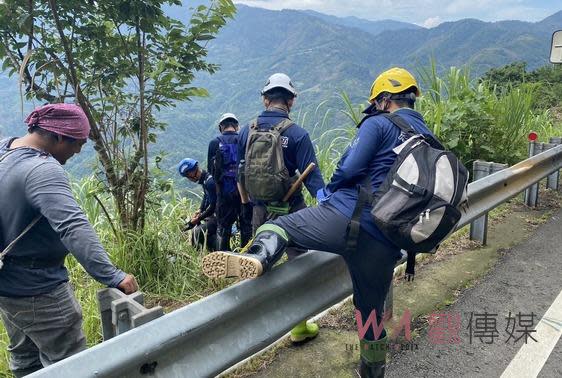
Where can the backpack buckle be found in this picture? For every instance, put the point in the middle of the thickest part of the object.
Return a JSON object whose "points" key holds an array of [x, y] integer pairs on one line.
{"points": [[416, 189]]}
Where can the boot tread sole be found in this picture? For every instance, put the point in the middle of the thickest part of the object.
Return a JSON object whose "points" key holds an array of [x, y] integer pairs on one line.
{"points": [[227, 264]]}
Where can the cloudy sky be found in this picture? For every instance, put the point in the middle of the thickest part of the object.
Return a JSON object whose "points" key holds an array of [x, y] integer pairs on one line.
{"points": [[427, 13]]}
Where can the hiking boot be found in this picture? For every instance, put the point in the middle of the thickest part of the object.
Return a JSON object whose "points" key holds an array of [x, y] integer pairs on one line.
{"points": [[266, 249], [304, 331], [373, 358]]}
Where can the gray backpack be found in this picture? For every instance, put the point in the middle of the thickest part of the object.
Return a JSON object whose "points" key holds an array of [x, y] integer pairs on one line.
{"points": [[418, 204], [266, 177]]}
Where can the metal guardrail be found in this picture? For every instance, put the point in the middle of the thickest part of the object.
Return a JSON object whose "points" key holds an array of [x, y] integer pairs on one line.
{"points": [[489, 192], [210, 335]]}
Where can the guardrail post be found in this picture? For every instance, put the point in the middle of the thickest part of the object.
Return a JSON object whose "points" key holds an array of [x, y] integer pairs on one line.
{"points": [[121, 312], [553, 180], [479, 227], [532, 193]]}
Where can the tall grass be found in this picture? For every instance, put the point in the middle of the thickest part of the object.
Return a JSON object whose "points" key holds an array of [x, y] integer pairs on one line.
{"points": [[479, 121]]}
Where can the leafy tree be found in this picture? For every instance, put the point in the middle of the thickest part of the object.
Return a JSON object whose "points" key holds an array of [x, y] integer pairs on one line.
{"points": [[122, 61], [508, 75], [547, 81], [475, 119]]}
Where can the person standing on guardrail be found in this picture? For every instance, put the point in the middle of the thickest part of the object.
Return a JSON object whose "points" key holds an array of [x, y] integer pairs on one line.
{"points": [[370, 256], [271, 149], [40, 223], [189, 168], [222, 164]]}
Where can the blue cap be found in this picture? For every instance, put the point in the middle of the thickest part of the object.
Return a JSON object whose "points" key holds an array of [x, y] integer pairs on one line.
{"points": [[187, 165]]}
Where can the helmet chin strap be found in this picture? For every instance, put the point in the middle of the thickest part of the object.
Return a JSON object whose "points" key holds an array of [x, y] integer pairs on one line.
{"points": [[382, 104]]}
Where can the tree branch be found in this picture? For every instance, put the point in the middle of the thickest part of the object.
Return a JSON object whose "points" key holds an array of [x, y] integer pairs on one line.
{"points": [[85, 104]]}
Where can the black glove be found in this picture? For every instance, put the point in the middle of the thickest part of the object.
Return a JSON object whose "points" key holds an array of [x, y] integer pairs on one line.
{"points": [[188, 225]]}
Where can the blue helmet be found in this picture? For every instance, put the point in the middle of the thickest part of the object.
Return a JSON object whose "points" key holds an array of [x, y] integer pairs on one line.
{"points": [[187, 165]]}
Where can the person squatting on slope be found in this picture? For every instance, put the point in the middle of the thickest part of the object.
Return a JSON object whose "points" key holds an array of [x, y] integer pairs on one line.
{"points": [[371, 263], [222, 160], [189, 168], [42, 222], [271, 149]]}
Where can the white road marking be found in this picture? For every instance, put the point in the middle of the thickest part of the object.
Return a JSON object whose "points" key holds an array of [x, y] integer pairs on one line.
{"points": [[532, 356]]}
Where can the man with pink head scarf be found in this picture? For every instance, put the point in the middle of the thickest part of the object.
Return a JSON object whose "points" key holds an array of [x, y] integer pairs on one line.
{"points": [[65, 122], [63, 119], [40, 223]]}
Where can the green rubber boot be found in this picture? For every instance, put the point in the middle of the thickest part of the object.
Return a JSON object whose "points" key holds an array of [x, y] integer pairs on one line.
{"points": [[373, 358], [304, 331]]}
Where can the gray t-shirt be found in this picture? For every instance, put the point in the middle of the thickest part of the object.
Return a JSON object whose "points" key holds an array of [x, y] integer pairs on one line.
{"points": [[32, 183]]}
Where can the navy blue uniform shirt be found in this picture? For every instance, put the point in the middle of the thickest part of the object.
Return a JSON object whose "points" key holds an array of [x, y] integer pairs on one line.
{"points": [[369, 154], [209, 201], [298, 151]]}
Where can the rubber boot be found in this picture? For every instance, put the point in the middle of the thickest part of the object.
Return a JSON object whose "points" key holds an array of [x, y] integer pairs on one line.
{"points": [[303, 332], [266, 249], [223, 239], [373, 358], [23, 372]]}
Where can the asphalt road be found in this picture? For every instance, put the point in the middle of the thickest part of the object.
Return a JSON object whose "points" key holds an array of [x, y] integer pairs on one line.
{"points": [[526, 281]]}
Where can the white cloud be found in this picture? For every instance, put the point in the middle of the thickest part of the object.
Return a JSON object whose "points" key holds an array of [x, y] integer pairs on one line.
{"points": [[431, 22]]}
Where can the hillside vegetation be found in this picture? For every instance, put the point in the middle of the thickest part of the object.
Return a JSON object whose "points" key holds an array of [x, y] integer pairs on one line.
{"points": [[324, 55]]}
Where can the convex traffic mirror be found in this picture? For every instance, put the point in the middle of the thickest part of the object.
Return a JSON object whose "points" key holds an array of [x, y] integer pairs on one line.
{"points": [[556, 47]]}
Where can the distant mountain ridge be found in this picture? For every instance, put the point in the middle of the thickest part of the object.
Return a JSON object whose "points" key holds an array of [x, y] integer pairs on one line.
{"points": [[372, 27], [323, 55]]}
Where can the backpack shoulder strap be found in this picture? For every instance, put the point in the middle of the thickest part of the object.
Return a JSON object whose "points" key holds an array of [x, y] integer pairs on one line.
{"points": [[252, 128], [364, 197], [400, 123], [283, 125], [409, 130], [6, 154], [13, 242]]}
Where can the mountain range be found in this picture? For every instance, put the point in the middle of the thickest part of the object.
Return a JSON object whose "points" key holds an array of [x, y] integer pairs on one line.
{"points": [[324, 55]]}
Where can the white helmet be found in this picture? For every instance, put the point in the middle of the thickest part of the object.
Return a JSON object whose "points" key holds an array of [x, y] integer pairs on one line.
{"points": [[226, 116], [279, 80]]}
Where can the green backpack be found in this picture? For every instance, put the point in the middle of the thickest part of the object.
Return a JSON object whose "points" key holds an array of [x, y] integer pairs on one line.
{"points": [[265, 176]]}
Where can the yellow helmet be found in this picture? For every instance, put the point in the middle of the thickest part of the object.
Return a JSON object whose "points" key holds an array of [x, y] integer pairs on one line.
{"points": [[395, 80]]}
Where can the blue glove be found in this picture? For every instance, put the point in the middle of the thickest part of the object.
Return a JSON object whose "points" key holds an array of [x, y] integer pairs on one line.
{"points": [[322, 195]]}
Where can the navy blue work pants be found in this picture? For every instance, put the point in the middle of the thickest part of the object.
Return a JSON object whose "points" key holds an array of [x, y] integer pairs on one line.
{"points": [[371, 266], [261, 216], [230, 210]]}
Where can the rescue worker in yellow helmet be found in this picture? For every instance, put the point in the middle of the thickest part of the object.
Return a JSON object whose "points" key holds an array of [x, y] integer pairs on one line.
{"points": [[342, 223]]}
